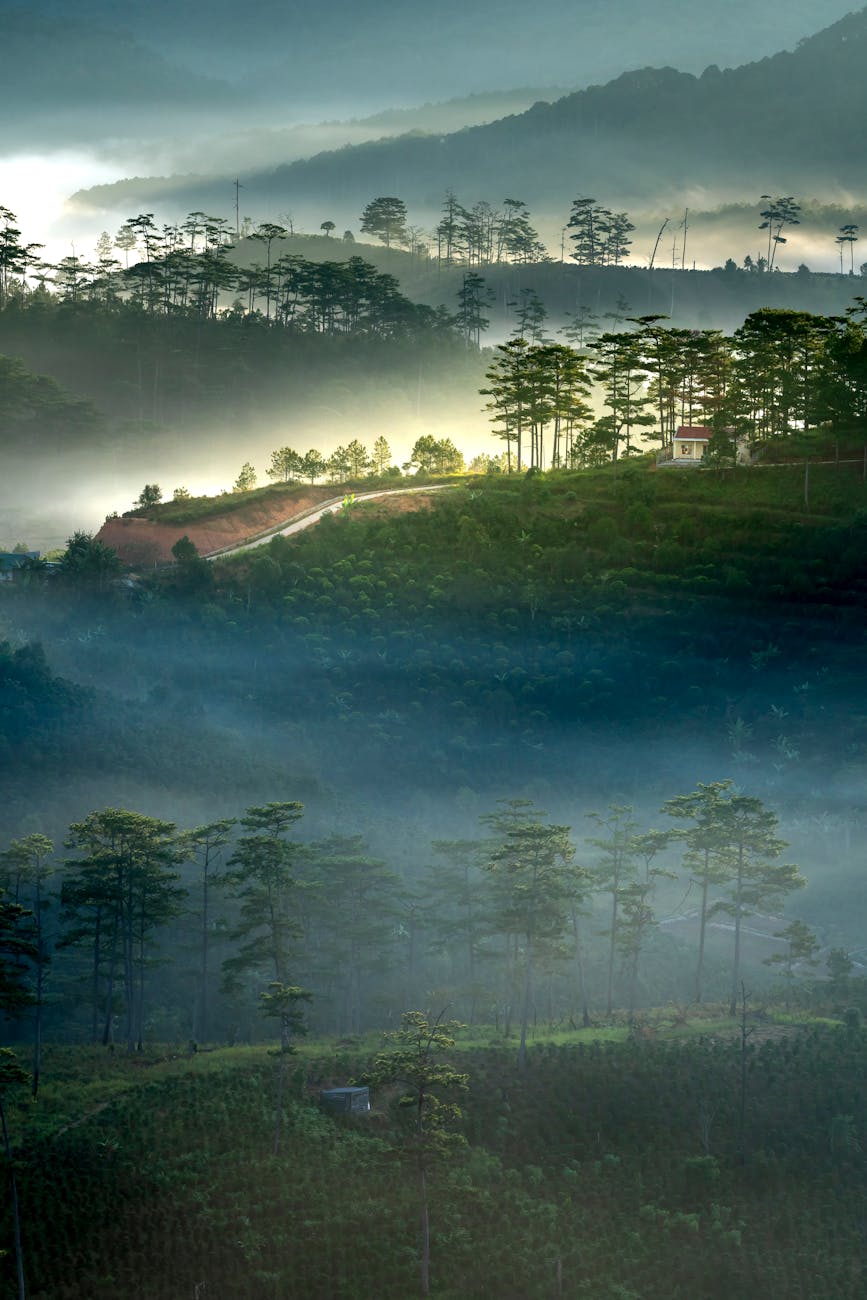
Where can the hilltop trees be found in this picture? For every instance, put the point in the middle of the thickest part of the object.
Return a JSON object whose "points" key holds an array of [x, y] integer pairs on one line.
{"points": [[776, 217], [848, 234], [600, 237], [385, 218], [285, 465], [246, 479], [534, 388], [436, 455], [782, 374], [483, 235]]}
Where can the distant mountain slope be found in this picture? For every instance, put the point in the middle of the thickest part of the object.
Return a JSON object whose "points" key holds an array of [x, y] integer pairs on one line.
{"points": [[61, 77], [786, 122], [352, 56]]}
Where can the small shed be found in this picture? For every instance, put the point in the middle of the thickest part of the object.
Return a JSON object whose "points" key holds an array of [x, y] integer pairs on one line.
{"points": [[690, 442], [345, 1101], [13, 561]]}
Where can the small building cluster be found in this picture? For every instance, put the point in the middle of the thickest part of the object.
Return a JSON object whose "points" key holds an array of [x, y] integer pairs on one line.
{"points": [[12, 562]]}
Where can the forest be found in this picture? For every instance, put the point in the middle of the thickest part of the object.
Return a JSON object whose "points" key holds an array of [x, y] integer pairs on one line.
{"points": [[432, 822], [429, 779]]}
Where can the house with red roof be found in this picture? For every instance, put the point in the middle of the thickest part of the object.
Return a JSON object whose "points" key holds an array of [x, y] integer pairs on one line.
{"points": [[687, 447]]}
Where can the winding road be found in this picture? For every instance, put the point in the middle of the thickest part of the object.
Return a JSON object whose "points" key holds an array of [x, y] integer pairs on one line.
{"points": [[308, 518]]}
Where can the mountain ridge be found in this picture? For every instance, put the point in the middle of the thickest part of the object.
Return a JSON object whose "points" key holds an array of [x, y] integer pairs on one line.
{"points": [[784, 121]]}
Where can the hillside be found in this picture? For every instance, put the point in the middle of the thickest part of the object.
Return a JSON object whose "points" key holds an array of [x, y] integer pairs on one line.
{"points": [[515, 631], [589, 1172], [645, 137]]}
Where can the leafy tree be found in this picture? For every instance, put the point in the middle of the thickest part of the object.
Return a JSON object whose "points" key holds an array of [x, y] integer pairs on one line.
{"points": [[313, 465], [436, 455], [283, 1002], [637, 917], [266, 233], [351, 922], [122, 890], [447, 229], [531, 314], [381, 455], [517, 241], [246, 478], [621, 370], [386, 219], [205, 845], [839, 966], [510, 391], [413, 1062], [327, 226], [456, 886], [25, 866], [533, 867], [581, 327], [337, 465], [749, 841], [34, 406], [193, 573], [89, 562], [17, 946], [848, 235], [780, 213], [601, 237], [285, 465], [150, 495], [473, 296], [614, 873], [584, 221], [707, 842], [263, 877], [358, 459], [801, 947]]}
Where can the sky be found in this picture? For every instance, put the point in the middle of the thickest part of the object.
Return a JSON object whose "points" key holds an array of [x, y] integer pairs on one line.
{"points": [[96, 90]]}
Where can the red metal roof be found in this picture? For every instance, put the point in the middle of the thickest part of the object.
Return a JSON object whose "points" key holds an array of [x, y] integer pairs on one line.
{"points": [[694, 433]]}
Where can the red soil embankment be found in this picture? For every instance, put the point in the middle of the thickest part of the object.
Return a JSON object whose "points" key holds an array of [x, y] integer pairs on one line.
{"points": [[148, 542]]}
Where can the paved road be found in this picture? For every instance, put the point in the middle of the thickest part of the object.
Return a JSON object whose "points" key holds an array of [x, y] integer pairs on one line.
{"points": [[310, 517]]}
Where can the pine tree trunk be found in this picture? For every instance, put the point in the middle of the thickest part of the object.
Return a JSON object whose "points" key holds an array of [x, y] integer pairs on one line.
{"points": [[699, 970], [525, 1007]]}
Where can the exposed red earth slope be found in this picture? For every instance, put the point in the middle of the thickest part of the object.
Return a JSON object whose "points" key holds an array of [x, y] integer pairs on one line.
{"points": [[147, 542]]}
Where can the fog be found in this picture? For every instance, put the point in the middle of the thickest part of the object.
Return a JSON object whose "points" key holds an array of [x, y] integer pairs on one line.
{"points": [[197, 90], [256, 716], [45, 502]]}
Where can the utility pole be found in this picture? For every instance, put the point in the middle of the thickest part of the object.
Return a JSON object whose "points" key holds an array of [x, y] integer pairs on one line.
{"points": [[685, 225], [238, 188]]}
